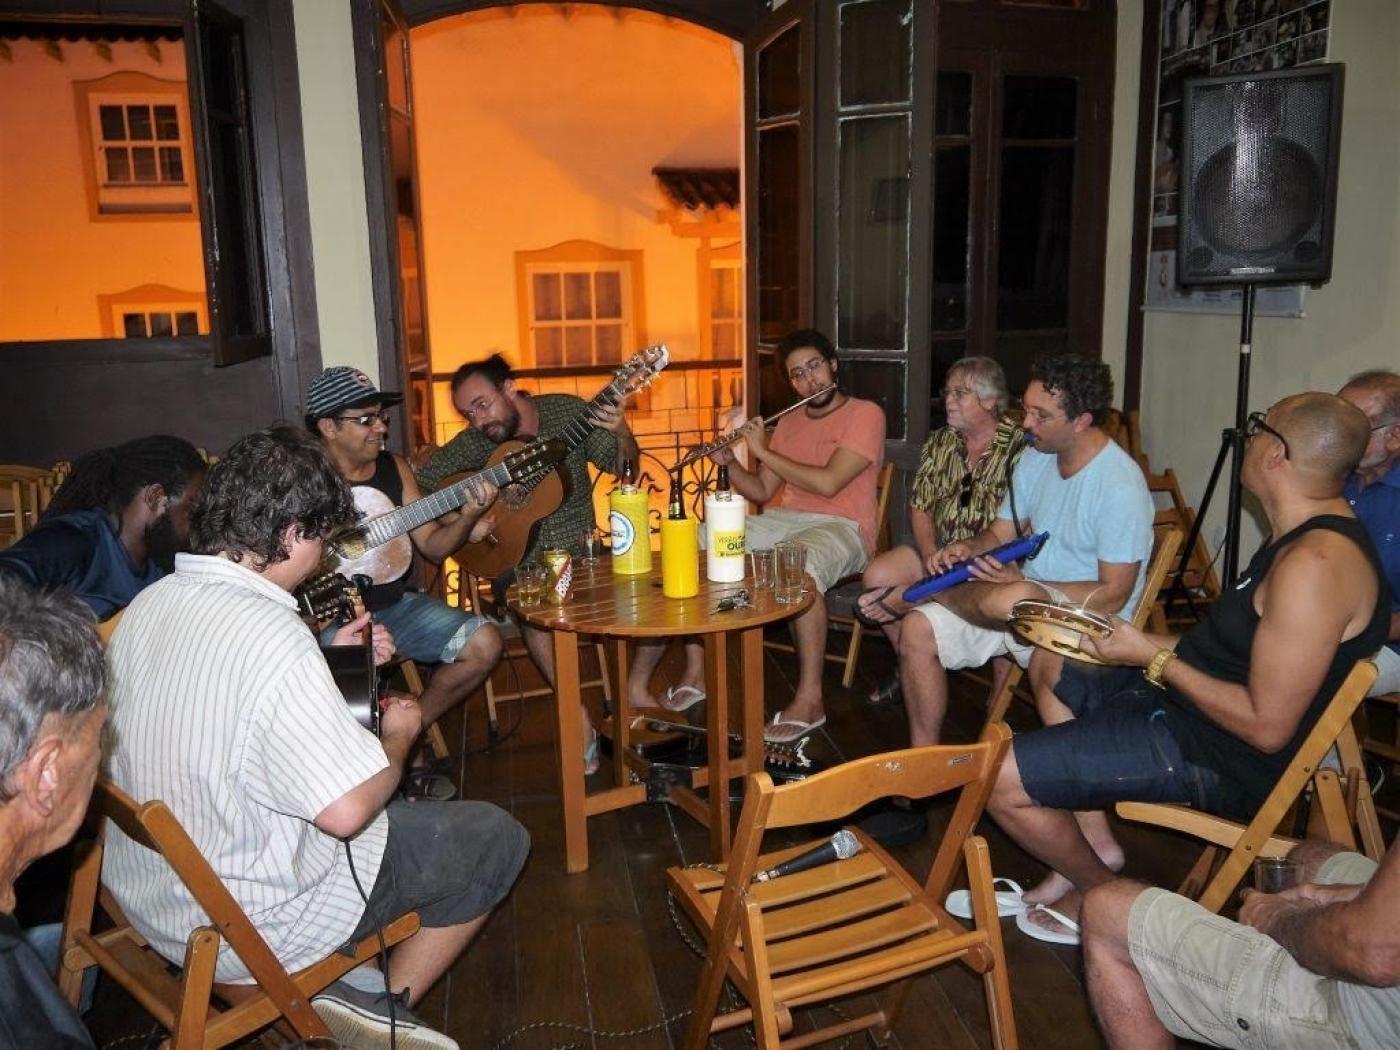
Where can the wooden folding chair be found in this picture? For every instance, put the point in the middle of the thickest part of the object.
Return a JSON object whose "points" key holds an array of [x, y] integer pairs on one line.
{"points": [[841, 598], [1168, 542], [195, 1011], [1199, 585], [851, 925], [24, 493], [1342, 804]]}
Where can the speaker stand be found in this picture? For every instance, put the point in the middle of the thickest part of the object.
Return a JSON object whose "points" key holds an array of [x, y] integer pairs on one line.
{"points": [[1232, 445]]}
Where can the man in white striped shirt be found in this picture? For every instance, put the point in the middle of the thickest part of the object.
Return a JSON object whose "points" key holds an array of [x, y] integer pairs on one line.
{"points": [[223, 707]]}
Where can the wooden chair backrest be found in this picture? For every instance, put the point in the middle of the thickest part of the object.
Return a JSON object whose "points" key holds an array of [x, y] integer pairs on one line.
{"points": [[882, 505], [154, 826], [24, 493], [1335, 719], [1168, 543], [914, 773]]}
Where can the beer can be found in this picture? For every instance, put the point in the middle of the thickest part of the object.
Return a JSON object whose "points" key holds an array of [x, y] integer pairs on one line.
{"points": [[559, 583]]}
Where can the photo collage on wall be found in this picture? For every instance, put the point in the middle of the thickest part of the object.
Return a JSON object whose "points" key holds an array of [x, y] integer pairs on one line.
{"points": [[1215, 38]]}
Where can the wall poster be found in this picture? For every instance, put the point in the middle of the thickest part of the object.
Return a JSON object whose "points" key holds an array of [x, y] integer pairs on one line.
{"points": [[1214, 38]]}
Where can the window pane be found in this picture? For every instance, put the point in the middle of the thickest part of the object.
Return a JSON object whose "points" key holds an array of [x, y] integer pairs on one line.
{"points": [[778, 237], [84, 157], [167, 124], [118, 164], [548, 299], [951, 177], [875, 51], [138, 120], [953, 108], [726, 340], [143, 164], [607, 290], [944, 353], [724, 297], [578, 296], [1038, 107], [187, 323], [549, 347], [172, 167], [578, 344], [609, 338], [779, 86], [113, 126], [160, 325], [873, 221], [1033, 263], [881, 382], [1016, 354]]}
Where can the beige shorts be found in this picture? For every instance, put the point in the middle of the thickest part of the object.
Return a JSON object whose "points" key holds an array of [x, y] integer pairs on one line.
{"points": [[834, 547], [962, 644], [1218, 982]]}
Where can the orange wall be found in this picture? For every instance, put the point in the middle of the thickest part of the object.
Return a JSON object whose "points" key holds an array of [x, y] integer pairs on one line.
{"points": [[536, 127], [55, 259]]}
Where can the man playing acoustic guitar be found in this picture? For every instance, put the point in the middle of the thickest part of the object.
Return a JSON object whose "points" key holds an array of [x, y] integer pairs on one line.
{"points": [[348, 414]]}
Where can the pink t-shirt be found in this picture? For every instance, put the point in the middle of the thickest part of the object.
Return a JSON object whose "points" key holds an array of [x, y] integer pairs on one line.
{"points": [[857, 425]]}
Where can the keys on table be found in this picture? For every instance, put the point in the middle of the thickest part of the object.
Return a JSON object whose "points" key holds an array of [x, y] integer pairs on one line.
{"points": [[738, 600]]}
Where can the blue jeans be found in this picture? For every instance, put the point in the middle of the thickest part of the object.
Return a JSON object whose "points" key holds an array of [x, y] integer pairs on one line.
{"points": [[1117, 748], [426, 629]]}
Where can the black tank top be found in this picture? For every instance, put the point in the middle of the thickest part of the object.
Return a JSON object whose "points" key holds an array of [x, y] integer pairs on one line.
{"points": [[387, 480], [1220, 646]]}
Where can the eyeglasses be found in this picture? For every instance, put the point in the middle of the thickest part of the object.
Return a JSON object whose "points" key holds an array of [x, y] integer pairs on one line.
{"points": [[965, 491], [1042, 417], [1255, 425], [955, 393], [809, 369], [480, 407], [368, 419]]}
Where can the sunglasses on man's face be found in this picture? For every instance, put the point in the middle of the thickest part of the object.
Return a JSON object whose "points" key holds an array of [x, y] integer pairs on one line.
{"points": [[965, 490]]}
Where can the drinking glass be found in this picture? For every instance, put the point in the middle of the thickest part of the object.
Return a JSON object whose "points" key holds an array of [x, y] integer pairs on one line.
{"points": [[529, 589], [1272, 874], [590, 543], [761, 562], [790, 564]]}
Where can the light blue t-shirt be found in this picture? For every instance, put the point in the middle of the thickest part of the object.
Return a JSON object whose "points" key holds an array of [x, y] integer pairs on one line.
{"points": [[1103, 513]]}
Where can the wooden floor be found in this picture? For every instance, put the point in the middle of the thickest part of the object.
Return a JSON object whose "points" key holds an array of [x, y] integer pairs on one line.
{"points": [[600, 950]]}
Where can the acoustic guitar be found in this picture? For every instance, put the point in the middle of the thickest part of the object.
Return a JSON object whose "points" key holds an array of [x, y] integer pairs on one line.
{"points": [[336, 600], [377, 548], [520, 508]]}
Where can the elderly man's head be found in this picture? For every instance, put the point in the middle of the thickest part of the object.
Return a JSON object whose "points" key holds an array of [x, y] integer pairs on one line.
{"points": [[52, 678], [1377, 393]]}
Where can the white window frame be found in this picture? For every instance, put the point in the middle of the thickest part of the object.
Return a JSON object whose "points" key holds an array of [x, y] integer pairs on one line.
{"points": [[623, 268], [171, 196]]}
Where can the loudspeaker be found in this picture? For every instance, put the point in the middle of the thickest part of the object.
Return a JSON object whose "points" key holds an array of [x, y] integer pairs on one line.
{"points": [[1259, 177]]}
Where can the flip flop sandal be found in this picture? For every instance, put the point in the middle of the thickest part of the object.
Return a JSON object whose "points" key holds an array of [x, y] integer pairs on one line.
{"points": [[1069, 935], [784, 731], [681, 698], [862, 611], [959, 902]]}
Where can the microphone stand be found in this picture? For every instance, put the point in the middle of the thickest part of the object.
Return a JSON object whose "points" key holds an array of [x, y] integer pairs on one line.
{"points": [[1231, 444]]}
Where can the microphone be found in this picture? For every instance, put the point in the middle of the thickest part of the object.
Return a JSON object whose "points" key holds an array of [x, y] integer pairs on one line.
{"points": [[841, 846]]}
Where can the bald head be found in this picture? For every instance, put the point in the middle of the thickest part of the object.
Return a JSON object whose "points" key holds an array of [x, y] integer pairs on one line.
{"points": [[1326, 436]]}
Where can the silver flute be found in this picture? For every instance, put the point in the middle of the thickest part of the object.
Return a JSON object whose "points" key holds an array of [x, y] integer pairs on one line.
{"points": [[714, 446]]}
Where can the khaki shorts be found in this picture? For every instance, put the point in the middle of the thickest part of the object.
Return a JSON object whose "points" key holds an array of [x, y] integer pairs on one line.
{"points": [[834, 547], [962, 644], [1218, 982]]}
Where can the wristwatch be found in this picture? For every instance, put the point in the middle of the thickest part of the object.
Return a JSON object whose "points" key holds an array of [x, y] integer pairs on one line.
{"points": [[1157, 666]]}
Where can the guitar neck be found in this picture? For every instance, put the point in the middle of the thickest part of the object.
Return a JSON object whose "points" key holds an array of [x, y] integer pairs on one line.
{"points": [[421, 511], [572, 435]]}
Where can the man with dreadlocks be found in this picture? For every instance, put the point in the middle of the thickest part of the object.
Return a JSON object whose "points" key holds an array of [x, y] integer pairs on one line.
{"points": [[115, 525]]}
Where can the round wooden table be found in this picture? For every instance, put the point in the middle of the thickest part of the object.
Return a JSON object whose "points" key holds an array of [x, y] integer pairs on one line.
{"points": [[629, 609]]}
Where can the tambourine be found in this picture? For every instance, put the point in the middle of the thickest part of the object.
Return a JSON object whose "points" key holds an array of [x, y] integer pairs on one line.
{"points": [[1058, 628]]}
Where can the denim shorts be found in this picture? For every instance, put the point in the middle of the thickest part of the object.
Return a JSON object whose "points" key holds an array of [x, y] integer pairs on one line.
{"points": [[427, 629], [451, 862], [1117, 748]]}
